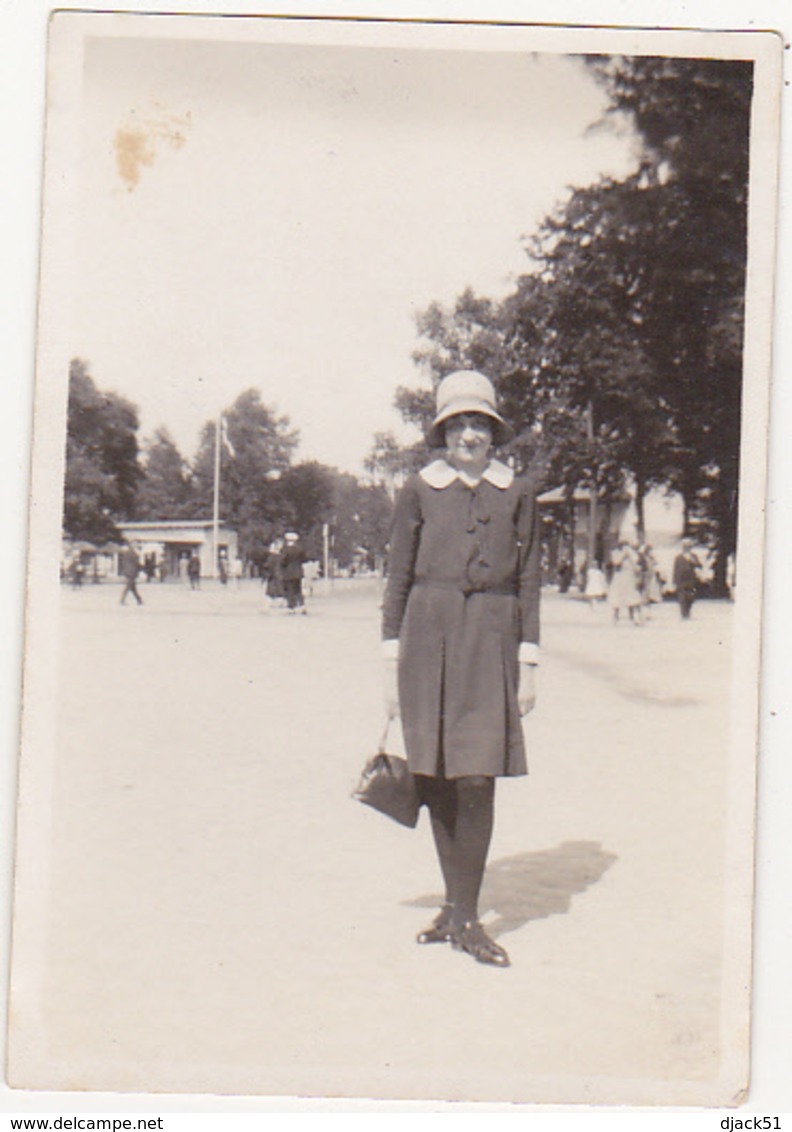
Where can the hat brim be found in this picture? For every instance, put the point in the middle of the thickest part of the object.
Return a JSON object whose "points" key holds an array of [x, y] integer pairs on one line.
{"points": [[502, 433]]}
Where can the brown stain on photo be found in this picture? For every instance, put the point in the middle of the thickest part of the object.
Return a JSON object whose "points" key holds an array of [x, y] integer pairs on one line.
{"points": [[136, 143], [133, 149]]}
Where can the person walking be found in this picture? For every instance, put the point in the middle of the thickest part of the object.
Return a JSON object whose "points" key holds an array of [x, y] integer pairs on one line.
{"points": [[273, 574], [291, 567], [77, 571], [564, 574], [460, 627], [194, 571], [624, 592], [596, 584], [649, 586], [130, 568], [685, 578]]}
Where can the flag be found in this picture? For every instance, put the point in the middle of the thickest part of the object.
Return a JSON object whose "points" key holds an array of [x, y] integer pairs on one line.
{"points": [[224, 434]]}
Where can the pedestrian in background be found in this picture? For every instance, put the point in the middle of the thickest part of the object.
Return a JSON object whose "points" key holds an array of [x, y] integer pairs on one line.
{"points": [[461, 631], [685, 578], [130, 568], [77, 571], [194, 571], [596, 584], [564, 576], [291, 568], [624, 592], [311, 575], [272, 570], [650, 587]]}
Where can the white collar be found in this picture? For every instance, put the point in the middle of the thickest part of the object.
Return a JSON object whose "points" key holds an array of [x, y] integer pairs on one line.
{"points": [[440, 474]]}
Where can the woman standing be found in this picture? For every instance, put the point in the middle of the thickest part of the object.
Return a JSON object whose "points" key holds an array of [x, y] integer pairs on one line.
{"points": [[291, 564], [624, 590], [461, 632], [596, 585]]}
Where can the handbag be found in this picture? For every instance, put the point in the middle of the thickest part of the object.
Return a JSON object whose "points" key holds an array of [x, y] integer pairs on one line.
{"points": [[387, 784]]}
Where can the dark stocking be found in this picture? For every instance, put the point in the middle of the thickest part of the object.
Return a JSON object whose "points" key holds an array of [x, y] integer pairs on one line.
{"points": [[440, 796], [462, 817], [474, 820]]}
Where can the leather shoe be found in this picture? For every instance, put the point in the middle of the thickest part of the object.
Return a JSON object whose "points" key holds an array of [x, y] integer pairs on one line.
{"points": [[439, 931], [474, 940]]}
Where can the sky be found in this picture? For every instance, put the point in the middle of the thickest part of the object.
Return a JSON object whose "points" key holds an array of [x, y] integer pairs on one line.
{"points": [[275, 215]]}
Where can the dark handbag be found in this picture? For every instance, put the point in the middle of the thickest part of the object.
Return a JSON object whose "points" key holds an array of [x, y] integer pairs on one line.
{"points": [[387, 784]]}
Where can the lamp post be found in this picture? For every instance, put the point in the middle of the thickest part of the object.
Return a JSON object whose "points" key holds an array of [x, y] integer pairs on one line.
{"points": [[592, 515], [326, 550], [216, 497]]}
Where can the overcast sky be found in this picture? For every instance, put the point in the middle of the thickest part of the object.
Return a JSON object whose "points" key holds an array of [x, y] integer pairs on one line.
{"points": [[275, 215]]}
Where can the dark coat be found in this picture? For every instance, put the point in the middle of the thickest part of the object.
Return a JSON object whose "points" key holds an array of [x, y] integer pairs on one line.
{"points": [[272, 571], [291, 562], [685, 577], [130, 564], [462, 593]]}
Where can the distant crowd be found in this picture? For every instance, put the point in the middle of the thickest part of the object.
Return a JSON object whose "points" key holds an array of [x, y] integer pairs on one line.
{"points": [[286, 574], [630, 580]]}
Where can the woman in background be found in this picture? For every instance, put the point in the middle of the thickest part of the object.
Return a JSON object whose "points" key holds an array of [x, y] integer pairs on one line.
{"points": [[624, 592]]}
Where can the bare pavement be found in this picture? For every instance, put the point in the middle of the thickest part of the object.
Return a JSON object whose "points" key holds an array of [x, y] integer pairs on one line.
{"points": [[220, 917]]}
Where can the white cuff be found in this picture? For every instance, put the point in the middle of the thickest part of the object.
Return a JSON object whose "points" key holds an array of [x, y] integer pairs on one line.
{"points": [[390, 649]]}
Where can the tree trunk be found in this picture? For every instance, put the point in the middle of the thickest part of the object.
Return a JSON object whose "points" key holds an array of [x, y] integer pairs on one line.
{"points": [[724, 511]]}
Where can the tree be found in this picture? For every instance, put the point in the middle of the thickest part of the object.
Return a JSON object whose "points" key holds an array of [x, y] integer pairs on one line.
{"points": [[619, 354], [360, 522], [374, 509], [164, 491], [256, 448], [307, 494], [357, 515], [102, 469], [594, 255], [387, 463], [694, 118]]}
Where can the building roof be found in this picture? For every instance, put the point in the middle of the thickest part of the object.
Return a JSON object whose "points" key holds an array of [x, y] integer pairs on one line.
{"points": [[580, 495], [169, 524]]}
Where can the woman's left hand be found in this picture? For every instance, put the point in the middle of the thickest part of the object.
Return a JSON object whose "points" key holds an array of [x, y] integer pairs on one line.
{"points": [[526, 693]]}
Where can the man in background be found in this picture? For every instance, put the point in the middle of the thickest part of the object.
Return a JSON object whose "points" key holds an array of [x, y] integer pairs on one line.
{"points": [[685, 579], [130, 568]]}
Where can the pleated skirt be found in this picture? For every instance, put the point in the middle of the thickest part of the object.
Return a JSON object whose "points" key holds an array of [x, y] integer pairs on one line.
{"points": [[458, 679]]}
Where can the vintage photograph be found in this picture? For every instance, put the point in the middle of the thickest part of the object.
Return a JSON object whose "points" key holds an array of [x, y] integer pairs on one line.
{"points": [[394, 623]]}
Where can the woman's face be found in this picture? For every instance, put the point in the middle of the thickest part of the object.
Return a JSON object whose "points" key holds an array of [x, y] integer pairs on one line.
{"points": [[468, 438]]}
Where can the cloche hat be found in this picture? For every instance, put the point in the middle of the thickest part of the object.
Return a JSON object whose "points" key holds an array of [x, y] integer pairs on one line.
{"points": [[466, 391]]}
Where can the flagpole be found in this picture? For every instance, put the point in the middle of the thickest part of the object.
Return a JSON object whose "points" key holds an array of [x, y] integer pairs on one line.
{"points": [[216, 499]]}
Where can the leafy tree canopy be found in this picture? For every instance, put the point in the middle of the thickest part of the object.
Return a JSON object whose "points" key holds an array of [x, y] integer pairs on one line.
{"points": [[619, 353], [102, 469], [165, 490]]}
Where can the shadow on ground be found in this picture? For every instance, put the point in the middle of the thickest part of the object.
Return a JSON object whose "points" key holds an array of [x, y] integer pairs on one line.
{"points": [[532, 886], [622, 683]]}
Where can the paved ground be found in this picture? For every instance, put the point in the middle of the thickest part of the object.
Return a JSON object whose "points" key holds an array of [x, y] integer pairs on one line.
{"points": [[223, 918]]}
